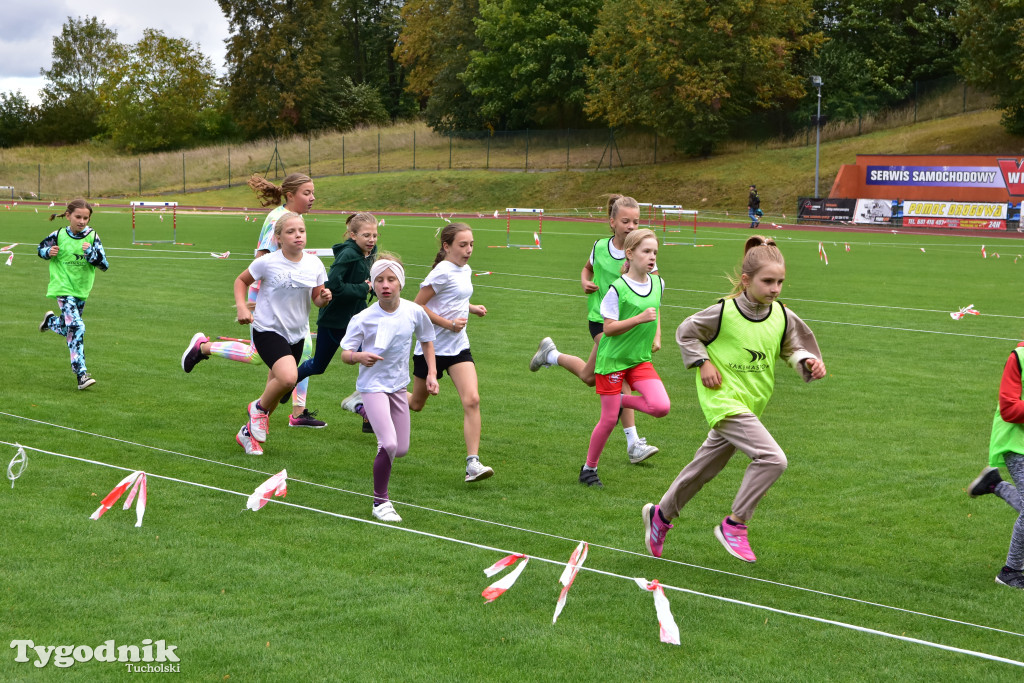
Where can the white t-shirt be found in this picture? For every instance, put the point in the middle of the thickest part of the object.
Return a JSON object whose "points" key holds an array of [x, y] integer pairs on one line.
{"points": [[267, 241], [453, 287], [388, 335], [610, 302], [285, 289]]}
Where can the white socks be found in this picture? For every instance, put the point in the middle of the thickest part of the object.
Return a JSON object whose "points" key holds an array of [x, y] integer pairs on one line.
{"points": [[631, 436]]}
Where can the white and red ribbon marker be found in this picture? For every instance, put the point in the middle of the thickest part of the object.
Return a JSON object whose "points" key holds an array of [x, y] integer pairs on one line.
{"points": [[137, 482], [822, 256], [572, 568], [216, 255], [486, 272], [966, 310], [495, 213], [496, 589], [668, 630], [983, 254], [1016, 257], [8, 247], [536, 240], [847, 246], [10, 259], [277, 485]]}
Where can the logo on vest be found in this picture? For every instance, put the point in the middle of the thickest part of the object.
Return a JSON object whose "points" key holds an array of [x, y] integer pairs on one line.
{"points": [[755, 355], [754, 365]]}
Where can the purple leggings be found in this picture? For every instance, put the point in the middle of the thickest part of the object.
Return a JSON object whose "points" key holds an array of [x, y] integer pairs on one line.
{"points": [[389, 416], [653, 400]]}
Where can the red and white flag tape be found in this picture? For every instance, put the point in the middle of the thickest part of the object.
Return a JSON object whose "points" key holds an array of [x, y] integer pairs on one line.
{"points": [[496, 589], [277, 485], [847, 246], [536, 240], [923, 251], [1016, 257], [495, 213], [216, 255], [137, 482], [572, 568], [966, 310], [8, 247], [983, 254], [822, 256], [10, 259], [669, 632], [486, 272], [380, 223]]}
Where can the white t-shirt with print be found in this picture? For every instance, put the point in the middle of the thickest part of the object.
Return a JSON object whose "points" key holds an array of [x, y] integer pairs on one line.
{"points": [[453, 287], [389, 335], [610, 302], [285, 288]]}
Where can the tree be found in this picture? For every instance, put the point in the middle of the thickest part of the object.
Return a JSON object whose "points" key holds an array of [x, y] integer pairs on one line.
{"points": [[991, 55], [693, 68], [530, 69], [70, 108], [16, 119], [158, 94], [434, 46]]}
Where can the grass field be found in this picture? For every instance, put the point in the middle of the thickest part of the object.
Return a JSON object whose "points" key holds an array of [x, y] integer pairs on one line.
{"points": [[870, 526]]}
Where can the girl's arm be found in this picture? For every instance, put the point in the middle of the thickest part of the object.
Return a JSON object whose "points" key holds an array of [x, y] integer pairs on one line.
{"points": [[427, 293], [242, 312], [1011, 407], [428, 355], [587, 278], [48, 247], [613, 328], [657, 336], [343, 281], [696, 332], [349, 357], [97, 256], [478, 310], [800, 348], [321, 296]]}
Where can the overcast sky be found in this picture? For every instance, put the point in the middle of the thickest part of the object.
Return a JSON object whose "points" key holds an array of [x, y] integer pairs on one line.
{"points": [[26, 40]]}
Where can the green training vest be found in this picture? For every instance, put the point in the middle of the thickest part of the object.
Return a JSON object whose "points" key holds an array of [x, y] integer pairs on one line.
{"points": [[1007, 437], [632, 347], [70, 273], [744, 351], [607, 269]]}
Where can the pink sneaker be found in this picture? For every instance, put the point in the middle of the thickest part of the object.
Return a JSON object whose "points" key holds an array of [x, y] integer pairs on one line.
{"points": [[734, 538], [259, 422], [654, 529]]}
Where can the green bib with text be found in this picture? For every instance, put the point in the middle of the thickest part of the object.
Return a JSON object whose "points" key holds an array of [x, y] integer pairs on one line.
{"points": [[1006, 436], [632, 347], [607, 269], [71, 274]]}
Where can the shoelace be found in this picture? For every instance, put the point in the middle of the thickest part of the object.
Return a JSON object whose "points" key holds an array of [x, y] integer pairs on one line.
{"points": [[261, 420]]}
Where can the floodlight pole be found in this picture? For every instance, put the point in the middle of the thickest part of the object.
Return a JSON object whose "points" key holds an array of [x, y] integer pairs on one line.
{"points": [[816, 80]]}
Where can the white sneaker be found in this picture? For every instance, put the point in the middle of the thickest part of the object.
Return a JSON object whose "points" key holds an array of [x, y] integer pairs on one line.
{"points": [[259, 423], [540, 359], [385, 512], [245, 440], [476, 470], [640, 451], [350, 402]]}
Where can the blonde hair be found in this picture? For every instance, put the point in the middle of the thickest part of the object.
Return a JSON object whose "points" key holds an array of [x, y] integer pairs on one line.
{"points": [[74, 204], [390, 256], [355, 220], [270, 194], [633, 241], [279, 223], [758, 252], [448, 235]]}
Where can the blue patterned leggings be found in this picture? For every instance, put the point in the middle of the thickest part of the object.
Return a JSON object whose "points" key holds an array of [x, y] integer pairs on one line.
{"points": [[69, 324]]}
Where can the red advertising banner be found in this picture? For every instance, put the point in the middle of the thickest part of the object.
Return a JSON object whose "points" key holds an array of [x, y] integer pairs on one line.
{"points": [[957, 223]]}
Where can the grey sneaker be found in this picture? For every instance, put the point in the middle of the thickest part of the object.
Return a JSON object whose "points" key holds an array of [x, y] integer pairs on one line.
{"points": [[985, 482], [1013, 578], [540, 359], [350, 402], [640, 451], [45, 325], [477, 471]]}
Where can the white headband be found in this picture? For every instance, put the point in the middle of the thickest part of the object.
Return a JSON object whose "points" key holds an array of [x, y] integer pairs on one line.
{"points": [[383, 264]]}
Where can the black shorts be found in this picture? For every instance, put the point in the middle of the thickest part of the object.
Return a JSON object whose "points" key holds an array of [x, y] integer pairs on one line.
{"points": [[595, 328], [419, 363], [272, 347]]}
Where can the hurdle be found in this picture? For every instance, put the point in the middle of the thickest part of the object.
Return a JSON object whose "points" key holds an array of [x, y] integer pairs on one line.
{"points": [[152, 206], [650, 213], [508, 229], [679, 212]]}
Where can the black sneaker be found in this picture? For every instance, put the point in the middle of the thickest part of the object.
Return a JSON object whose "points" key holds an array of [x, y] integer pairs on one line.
{"points": [[45, 325], [590, 478], [85, 380], [985, 482], [306, 419], [367, 427], [193, 355], [1013, 578]]}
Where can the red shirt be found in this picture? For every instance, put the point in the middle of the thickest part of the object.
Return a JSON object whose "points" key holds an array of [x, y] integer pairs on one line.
{"points": [[1011, 407]]}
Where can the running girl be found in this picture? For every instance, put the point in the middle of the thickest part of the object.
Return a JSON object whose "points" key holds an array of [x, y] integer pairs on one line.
{"points": [[1006, 447], [74, 253], [349, 282], [604, 266], [445, 295], [735, 344], [384, 332], [632, 332], [290, 280], [295, 195]]}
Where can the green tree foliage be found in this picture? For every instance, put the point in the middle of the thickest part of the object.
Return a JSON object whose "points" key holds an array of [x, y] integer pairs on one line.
{"points": [[694, 68], [878, 49], [991, 54], [158, 94], [437, 39], [70, 109], [16, 118], [530, 69]]}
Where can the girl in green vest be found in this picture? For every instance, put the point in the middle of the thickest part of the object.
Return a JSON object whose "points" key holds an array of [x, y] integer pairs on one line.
{"points": [[74, 253], [735, 344], [632, 333], [605, 265], [1006, 447]]}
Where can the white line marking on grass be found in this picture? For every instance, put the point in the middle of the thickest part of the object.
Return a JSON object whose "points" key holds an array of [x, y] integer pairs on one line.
{"points": [[591, 569], [530, 531]]}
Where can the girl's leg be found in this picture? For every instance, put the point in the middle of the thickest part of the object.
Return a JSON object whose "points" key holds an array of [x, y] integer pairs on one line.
{"points": [[599, 437], [327, 343], [71, 326], [418, 397], [464, 377], [653, 398], [1015, 556], [548, 355], [768, 462], [707, 462], [399, 409], [299, 392], [378, 408], [280, 381], [1010, 494], [236, 351]]}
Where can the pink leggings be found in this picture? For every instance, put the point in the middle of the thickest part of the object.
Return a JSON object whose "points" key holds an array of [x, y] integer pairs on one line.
{"points": [[389, 416], [652, 400]]}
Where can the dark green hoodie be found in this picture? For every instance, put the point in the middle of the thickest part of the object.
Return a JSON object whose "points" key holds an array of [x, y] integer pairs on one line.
{"points": [[347, 282]]}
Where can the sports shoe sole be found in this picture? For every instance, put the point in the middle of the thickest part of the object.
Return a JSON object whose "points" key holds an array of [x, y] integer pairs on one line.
{"points": [[86, 384], [487, 473], [720, 535], [45, 325], [307, 426], [256, 450], [977, 481], [634, 460], [648, 523], [540, 358], [188, 350], [350, 402]]}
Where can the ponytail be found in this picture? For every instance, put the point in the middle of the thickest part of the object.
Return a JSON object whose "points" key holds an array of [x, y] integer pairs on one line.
{"points": [[74, 204], [270, 194]]}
